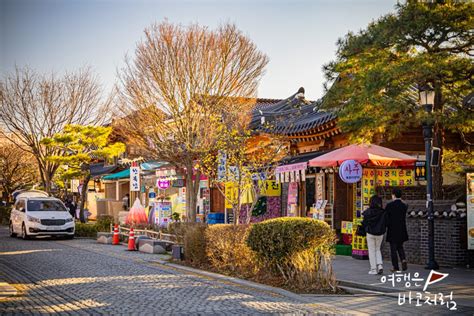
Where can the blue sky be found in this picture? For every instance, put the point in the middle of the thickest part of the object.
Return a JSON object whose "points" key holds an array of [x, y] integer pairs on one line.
{"points": [[298, 36]]}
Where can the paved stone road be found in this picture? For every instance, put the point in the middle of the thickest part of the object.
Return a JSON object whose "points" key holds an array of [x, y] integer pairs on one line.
{"points": [[83, 277]]}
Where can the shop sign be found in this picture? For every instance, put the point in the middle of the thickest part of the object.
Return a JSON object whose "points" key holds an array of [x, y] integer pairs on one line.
{"points": [[350, 171], [420, 170], [470, 209], [162, 213], [135, 179], [221, 167], [163, 184], [269, 188], [346, 227], [178, 183], [293, 193]]}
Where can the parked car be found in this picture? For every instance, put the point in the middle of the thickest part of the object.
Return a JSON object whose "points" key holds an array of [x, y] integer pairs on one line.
{"points": [[38, 216]]}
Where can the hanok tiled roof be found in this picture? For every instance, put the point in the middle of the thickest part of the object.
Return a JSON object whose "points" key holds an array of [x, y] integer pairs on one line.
{"points": [[290, 116]]}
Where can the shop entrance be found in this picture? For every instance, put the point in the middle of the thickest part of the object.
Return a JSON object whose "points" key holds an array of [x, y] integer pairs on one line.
{"points": [[343, 204]]}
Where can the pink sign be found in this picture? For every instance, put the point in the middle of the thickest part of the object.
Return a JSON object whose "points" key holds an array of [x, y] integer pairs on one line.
{"points": [[163, 184], [350, 171]]}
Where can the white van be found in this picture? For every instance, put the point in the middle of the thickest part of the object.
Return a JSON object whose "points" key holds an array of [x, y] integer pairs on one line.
{"points": [[39, 215]]}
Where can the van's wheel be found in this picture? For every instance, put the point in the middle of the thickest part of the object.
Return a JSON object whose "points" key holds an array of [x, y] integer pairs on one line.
{"points": [[24, 235], [12, 233]]}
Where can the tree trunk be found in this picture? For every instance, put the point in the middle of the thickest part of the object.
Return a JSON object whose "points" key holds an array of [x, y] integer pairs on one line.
{"points": [[84, 197], [191, 193]]}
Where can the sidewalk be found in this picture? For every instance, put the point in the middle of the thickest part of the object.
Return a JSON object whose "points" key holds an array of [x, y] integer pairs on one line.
{"points": [[354, 273]]}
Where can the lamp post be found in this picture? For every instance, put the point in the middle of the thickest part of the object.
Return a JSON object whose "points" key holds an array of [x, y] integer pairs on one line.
{"points": [[427, 95]]}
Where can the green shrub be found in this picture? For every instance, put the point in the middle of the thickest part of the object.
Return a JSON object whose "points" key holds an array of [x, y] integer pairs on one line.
{"points": [[5, 215], [86, 230], [297, 249], [227, 251], [103, 223]]}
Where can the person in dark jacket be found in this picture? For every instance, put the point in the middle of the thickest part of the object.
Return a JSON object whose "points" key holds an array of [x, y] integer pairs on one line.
{"points": [[374, 223], [397, 229]]}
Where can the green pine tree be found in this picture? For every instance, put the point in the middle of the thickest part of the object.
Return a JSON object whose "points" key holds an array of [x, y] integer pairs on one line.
{"points": [[79, 146], [373, 82]]}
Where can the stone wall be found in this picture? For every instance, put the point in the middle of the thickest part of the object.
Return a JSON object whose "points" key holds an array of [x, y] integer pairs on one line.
{"points": [[450, 192], [450, 242]]}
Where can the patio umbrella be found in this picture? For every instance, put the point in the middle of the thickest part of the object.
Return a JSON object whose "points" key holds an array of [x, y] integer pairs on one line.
{"points": [[364, 154]]}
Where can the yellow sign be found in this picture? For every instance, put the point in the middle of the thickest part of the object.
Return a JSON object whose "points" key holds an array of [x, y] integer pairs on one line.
{"points": [[232, 194], [269, 188], [346, 227]]}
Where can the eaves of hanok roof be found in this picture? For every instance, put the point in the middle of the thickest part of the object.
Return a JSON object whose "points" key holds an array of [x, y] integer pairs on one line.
{"points": [[294, 117]]}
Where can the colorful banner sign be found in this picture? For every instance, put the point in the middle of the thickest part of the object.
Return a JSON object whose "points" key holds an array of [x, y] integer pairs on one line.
{"points": [[269, 188], [135, 179], [162, 213], [395, 177]]}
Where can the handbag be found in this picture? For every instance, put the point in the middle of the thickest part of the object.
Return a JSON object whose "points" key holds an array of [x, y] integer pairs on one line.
{"points": [[361, 231]]}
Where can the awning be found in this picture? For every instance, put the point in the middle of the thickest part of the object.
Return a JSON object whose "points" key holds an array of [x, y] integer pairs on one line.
{"points": [[98, 169], [124, 174], [295, 167], [364, 154], [152, 165]]}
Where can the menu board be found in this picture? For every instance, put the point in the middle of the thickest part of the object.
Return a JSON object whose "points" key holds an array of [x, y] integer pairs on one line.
{"points": [[470, 209], [395, 177]]}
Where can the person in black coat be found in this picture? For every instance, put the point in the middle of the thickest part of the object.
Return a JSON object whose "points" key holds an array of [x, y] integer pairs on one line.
{"points": [[397, 229], [374, 224]]}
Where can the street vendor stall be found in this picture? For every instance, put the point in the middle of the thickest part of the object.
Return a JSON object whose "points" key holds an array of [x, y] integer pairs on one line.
{"points": [[364, 167]]}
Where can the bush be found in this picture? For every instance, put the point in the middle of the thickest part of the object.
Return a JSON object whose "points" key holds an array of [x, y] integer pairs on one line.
{"points": [[297, 249], [86, 230], [195, 244], [103, 223], [227, 251], [5, 215], [192, 236]]}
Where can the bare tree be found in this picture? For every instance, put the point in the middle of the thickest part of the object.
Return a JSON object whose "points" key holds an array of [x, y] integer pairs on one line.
{"points": [[36, 106], [177, 89], [17, 169]]}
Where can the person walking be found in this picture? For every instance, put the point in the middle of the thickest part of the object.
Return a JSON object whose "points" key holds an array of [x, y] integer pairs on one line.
{"points": [[375, 225], [397, 229], [126, 202]]}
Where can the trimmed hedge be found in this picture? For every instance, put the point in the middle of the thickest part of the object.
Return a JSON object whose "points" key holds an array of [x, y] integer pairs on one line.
{"points": [[103, 223], [296, 249], [276, 240], [5, 214], [86, 230]]}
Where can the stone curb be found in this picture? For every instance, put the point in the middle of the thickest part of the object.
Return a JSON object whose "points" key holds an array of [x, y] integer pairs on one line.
{"points": [[242, 282]]}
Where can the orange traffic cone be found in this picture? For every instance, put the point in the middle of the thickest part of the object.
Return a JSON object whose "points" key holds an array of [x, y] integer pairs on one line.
{"points": [[115, 238], [131, 241]]}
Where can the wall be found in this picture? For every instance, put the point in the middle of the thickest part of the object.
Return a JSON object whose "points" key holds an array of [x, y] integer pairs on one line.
{"points": [[450, 192], [450, 242]]}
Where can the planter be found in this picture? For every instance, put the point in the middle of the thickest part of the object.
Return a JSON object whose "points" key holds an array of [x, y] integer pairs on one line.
{"points": [[177, 252]]}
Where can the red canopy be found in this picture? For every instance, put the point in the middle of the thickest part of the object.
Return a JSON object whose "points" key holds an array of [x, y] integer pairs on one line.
{"points": [[364, 154]]}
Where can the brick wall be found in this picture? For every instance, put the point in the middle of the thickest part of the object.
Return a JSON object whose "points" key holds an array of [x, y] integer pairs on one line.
{"points": [[450, 242]]}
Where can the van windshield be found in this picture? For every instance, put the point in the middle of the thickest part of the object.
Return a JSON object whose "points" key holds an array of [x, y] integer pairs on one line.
{"points": [[45, 206]]}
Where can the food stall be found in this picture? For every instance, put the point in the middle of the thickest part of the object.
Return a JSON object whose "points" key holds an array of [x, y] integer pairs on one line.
{"points": [[364, 167]]}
